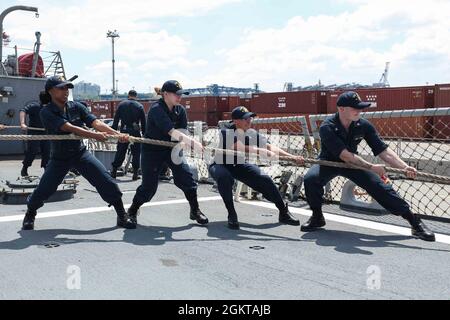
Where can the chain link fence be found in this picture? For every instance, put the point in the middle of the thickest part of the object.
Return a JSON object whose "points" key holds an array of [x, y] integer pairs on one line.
{"points": [[420, 137]]}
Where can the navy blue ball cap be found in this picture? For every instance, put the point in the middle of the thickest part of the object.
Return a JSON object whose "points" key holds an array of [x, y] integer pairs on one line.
{"points": [[57, 82], [353, 100], [242, 113], [174, 86]]}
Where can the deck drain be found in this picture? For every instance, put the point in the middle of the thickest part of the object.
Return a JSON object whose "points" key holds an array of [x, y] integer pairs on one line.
{"points": [[50, 245], [257, 248], [267, 215]]}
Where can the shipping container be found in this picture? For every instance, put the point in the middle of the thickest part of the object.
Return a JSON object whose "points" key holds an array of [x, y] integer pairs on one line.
{"points": [[385, 99], [246, 102], [147, 104], [289, 127], [442, 100], [227, 103], [102, 109], [301, 102], [200, 104], [211, 118], [408, 128]]}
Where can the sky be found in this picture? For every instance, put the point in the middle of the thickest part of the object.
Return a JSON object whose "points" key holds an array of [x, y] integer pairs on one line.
{"points": [[241, 42]]}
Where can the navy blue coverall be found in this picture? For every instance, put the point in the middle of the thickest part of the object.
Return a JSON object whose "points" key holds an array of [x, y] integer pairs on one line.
{"points": [[160, 121], [34, 147], [226, 169], [336, 139], [67, 154], [131, 116]]}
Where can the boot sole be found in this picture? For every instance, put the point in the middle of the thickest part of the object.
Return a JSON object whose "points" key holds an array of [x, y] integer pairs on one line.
{"points": [[200, 222], [311, 229], [427, 239], [126, 226], [290, 223]]}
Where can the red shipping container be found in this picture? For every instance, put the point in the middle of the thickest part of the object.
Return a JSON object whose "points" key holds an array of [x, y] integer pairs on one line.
{"points": [[103, 109], [246, 102], [385, 99], [442, 100], [300, 102], [290, 127], [147, 104], [410, 128], [198, 104], [227, 103], [211, 118], [223, 104], [293, 127]]}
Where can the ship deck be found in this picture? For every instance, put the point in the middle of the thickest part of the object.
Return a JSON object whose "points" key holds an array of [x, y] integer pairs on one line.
{"points": [[170, 257]]}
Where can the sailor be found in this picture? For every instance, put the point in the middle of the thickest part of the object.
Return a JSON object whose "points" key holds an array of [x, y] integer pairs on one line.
{"points": [[239, 135], [33, 147], [63, 117], [165, 174], [165, 122], [131, 116], [340, 136]]}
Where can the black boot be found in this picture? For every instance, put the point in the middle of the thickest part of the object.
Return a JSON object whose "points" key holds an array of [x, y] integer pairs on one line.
{"points": [[233, 222], [114, 173], [196, 213], [133, 212], [317, 221], [286, 217], [28, 221], [123, 221], [24, 172], [421, 231], [135, 174], [198, 216]]}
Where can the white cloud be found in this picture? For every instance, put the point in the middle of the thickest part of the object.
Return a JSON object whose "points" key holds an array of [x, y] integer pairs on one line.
{"points": [[83, 24], [142, 48], [349, 47], [149, 46], [174, 63]]}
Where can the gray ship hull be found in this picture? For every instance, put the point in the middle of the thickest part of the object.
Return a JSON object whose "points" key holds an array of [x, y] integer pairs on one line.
{"points": [[25, 90]]}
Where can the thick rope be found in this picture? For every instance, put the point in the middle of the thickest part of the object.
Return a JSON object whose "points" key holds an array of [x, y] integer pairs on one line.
{"points": [[423, 175], [2, 127]]}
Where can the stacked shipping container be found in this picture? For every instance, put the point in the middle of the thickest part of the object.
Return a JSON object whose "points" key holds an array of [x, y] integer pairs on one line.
{"points": [[209, 109], [442, 100], [299, 103], [107, 109], [212, 109], [384, 99], [102, 109], [387, 99]]}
